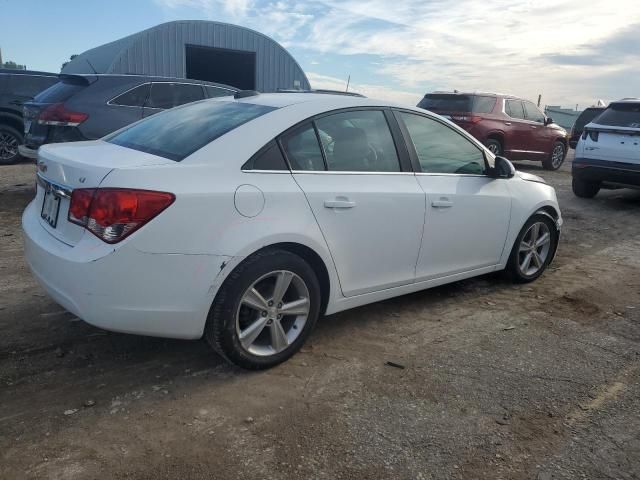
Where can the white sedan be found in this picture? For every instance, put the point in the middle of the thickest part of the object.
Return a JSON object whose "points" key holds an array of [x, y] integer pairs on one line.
{"points": [[245, 219]]}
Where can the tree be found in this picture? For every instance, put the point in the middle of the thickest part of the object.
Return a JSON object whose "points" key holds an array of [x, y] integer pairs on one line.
{"points": [[70, 58]]}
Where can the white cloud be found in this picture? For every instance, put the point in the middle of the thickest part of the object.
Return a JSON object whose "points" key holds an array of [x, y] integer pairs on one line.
{"points": [[515, 46]]}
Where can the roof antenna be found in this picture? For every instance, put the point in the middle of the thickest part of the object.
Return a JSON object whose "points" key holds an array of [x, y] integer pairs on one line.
{"points": [[94, 70]]}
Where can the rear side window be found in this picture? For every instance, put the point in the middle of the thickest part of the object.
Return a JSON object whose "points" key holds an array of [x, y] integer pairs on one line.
{"points": [[169, 95], [483, 104], [213, 92], [302, 149], [29, 85], [445, 102], [176, 134], [268, 158], [358, 141], [133, 98], [514, 109], [621, 115], [60, 92]]}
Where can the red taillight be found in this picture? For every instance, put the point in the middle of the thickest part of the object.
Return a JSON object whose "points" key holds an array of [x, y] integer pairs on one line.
{"points": [[114, 213], [57, 114]]}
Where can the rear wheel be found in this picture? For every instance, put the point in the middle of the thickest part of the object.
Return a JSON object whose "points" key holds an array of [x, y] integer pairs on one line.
{"points": [[584, 189], [265, 310], [10, 138], [556, 158], [533, 250], [494, 146]]}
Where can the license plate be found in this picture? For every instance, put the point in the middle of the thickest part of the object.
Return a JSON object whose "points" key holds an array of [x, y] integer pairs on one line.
{"points": [[27, 126], [50, 208]]}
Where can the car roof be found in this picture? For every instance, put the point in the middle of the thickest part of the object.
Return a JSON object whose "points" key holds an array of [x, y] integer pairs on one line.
{"points": [[475, 92], [12, 71], [147, 78], [328, 100], [627, 100]]}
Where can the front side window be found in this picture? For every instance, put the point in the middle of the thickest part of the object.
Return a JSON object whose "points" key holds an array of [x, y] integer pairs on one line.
{"points": [[176, 134], [169, 95], [133, 98], [533, 113], [441, 149], [302, 149], [358, 141], [514, 109], [213, 92]]}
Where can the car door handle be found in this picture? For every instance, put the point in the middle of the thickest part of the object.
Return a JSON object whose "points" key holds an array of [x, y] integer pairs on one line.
{"points": [[442, 203], [339, 203], [533, 126], [507, 123]]}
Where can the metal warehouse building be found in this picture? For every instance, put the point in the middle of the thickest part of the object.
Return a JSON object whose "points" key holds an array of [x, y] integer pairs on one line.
{"points": [[203, 50]]}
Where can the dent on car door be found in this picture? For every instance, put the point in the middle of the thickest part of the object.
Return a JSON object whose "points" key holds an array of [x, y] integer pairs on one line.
{"points": [[370, 211], [467, 214]]}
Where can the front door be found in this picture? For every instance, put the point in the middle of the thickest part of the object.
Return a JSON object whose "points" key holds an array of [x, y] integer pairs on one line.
{"points": [[371, 213], [467, 214]]}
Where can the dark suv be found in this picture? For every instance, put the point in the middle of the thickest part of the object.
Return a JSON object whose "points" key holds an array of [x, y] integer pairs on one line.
{"points": [[587, 116], [88, 107], [507, 125], [17, 87]]}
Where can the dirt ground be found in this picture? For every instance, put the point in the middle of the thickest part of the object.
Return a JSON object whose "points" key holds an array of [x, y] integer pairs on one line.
{"points": [[501, 381]]}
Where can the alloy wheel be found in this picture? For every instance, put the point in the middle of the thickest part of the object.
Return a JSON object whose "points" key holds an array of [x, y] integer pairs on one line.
{"points": [[557, 156], [272, 313], [534, 249], [8, 146], [494, 148]]}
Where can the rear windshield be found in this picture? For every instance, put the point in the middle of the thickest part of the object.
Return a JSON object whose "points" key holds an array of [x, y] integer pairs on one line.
{"points": [[60, 91], [457, 103], [177, 133], [586, 117], [621, 115]]}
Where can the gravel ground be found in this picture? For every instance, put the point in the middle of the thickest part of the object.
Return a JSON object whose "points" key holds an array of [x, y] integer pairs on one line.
{"points": [[501, 381]]}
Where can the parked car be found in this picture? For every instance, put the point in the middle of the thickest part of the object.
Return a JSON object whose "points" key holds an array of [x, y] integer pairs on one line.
{"points": [[243, 220], [17, 87], [507, 125], [88, 107], [608, 152], [587, 116]]}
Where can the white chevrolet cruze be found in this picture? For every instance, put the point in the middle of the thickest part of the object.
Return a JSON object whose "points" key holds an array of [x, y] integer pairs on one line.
{"points": [[244, 219]]}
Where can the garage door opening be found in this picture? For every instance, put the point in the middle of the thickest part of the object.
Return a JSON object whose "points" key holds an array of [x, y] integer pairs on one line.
{"points": [[231, 67]]}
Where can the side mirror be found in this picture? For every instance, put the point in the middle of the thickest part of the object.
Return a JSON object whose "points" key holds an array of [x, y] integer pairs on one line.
{"points": [[502, 168], [548, 121]]}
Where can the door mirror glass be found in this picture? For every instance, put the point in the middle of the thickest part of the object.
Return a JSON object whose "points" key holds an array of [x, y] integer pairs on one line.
{"points": [[502, 168]]}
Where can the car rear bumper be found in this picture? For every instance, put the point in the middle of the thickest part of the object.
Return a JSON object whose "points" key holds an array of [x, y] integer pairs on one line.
{"points": [[124, 290], [28, 152], [607, 172]]}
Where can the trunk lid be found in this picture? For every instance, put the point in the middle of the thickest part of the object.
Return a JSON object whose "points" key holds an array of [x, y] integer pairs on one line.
{"points": [[66, 166], [618, 144]]}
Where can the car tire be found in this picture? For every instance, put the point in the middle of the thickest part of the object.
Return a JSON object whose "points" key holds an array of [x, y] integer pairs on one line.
{"points": [[246, 329], [518, 268], [584, 189], [556, 157], [494, 146], [10, 138]]}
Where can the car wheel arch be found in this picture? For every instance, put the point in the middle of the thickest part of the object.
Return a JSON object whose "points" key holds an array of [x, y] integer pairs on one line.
{"points": [[12, 120]]}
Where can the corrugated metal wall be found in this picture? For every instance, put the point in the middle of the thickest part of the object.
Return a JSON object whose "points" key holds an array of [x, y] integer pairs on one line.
{"points": [[161, 51]]}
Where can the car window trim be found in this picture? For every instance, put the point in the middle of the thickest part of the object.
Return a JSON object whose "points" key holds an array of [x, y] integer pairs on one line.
{"points": [[204, 95], [414, 154], [127, 91], [526, 116], [504, 109], [313, 118], [201, 85]]}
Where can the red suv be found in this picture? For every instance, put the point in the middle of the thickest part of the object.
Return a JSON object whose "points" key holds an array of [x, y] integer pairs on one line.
{"points": [[507, 125]]}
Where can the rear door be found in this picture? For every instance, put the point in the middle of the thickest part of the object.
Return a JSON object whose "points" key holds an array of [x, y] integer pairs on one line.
{"points": [[366, 200], [467, 212], [165, 95], [517, 142]]}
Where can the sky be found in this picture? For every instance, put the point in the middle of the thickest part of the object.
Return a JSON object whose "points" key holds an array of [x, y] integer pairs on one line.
{"points": [[572, 52]]}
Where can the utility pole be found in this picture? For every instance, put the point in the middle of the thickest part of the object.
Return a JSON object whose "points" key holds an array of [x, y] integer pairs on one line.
{"points": [[539, 100], [1, 64], [348, 81]]}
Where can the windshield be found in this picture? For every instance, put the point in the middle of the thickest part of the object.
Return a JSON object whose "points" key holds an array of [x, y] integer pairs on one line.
{"points": [[621, 115], [177, 133]]}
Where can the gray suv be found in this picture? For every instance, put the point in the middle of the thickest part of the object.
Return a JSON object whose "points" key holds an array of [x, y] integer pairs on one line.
{"points": [[88, 107]]}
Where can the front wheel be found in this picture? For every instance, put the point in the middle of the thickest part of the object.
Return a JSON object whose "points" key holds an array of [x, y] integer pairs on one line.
{"points": [[494, 146], [556, 159], [584, 189], [265, 310], [533, 250]]}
